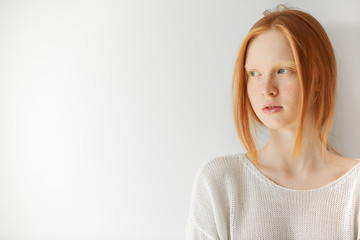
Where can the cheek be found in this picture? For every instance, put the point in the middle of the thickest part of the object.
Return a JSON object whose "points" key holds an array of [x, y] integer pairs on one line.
{"points": [[292, 92], [253, 91]]}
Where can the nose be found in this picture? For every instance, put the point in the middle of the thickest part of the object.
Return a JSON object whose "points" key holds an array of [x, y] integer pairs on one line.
{"points": [[269, 88]]}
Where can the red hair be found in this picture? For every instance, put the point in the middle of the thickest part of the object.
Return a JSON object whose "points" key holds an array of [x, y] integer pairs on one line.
{"points": [[316, 67]]}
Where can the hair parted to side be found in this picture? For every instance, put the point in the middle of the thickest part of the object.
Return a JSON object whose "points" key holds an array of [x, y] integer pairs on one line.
{"points": [[316, 67]]}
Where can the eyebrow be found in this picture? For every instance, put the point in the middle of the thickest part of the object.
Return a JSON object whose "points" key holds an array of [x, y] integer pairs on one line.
{"points": [[282, 63]]}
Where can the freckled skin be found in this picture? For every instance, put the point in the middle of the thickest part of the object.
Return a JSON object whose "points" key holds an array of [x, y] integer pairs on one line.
{"points": [[272, 77]]}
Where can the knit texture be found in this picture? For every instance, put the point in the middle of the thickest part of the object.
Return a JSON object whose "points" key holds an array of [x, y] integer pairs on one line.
{"points": [[232, 199]]}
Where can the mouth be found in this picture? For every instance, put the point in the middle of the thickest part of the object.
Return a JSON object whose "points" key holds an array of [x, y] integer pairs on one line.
{"points": [[272, 109]]}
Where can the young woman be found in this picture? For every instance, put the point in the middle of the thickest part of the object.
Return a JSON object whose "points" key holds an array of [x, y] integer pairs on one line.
{"points": [[296, 186]]}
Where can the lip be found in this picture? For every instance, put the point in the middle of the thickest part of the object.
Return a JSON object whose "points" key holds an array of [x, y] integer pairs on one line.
{"points": [[272, 110], [270, 105], [276, 108]]}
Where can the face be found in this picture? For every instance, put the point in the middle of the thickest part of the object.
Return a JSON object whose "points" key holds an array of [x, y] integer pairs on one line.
{"points": [[273, 85]]}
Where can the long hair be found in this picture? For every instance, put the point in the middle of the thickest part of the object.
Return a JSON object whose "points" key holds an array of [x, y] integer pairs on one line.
{"points": [[316, 67]]}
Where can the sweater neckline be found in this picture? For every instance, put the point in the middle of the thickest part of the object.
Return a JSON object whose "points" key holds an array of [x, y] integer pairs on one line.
{"points": [[272, 183]]}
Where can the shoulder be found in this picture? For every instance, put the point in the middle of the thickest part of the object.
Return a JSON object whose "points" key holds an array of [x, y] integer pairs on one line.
{"points": [[221, 164], [349, 173], [220, 169], [212, 194], [345, 165]]}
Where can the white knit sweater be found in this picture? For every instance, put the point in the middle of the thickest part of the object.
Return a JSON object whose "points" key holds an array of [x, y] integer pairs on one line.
{"points": [[232, 199]]}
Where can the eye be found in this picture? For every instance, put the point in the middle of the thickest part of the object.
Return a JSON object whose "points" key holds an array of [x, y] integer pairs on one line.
{"points": [[254, 73], [283, 71]]}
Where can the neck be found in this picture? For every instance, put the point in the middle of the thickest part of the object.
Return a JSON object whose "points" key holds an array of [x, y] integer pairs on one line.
{"points": [[277, 153]]}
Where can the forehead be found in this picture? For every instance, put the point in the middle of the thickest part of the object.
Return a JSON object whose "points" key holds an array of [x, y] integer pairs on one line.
{"points": [[269, 48]]}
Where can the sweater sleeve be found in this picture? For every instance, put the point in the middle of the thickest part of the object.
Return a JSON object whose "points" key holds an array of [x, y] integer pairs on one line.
{"points": [[193, 232], [203, 220]]}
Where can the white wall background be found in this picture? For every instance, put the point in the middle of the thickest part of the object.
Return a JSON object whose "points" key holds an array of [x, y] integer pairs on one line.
{"points": [[108, 108]]}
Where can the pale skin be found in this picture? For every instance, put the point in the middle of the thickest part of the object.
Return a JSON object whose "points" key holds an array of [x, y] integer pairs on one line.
{"points": [[272, 78]]}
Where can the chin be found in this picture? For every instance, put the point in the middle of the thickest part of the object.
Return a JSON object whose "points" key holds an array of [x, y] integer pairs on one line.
{"points": [[280, 126]]}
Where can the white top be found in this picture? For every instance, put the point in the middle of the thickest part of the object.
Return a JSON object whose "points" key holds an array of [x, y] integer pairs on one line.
{"points": [[232, 199]]}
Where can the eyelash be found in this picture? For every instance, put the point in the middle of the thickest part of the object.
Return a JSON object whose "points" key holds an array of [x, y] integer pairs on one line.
{"points": [[251, 73], [284, 69]]}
